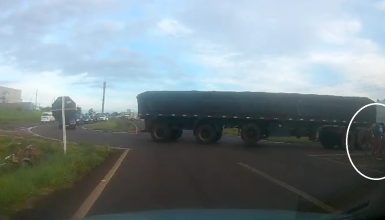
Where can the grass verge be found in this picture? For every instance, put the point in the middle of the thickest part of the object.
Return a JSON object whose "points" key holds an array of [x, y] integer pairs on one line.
{"points": [[50, 170], [11, 117], [230, 131], [292, 140], [113, 125], [285, 139]]}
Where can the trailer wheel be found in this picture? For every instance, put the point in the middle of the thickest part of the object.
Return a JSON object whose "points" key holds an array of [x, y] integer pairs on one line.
{"points": [[176, 134], [362, 139], [326, 138], [206, 134], [160, 132], [352, 142], [250, 133], [219, 135]]}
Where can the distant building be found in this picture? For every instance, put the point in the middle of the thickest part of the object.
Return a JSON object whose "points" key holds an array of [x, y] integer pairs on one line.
{"points": [[11, 99], [129, 114], [9, 95]]}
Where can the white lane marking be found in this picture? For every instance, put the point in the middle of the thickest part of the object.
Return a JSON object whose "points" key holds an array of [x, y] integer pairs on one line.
{"points": [[54, 139], [91, 199], [304, 195], [112, 132], [30, 129], [41, 136]]}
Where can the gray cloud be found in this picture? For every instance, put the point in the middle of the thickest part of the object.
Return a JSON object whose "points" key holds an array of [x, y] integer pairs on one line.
{"points": [[260, 27], [230, 45]]}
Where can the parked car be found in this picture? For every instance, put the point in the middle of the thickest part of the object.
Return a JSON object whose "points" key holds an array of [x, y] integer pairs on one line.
{"points": [[47, 117], [102, 118], [71, 124], [87, 119], [79, 120]]}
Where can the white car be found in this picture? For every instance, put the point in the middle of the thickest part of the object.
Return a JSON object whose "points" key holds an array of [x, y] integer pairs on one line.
{"points": [[103, 118], [47, 117]]}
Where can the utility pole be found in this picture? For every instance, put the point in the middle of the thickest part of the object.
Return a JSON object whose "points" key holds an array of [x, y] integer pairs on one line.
{"points": [[63, 121], [104, 95]]}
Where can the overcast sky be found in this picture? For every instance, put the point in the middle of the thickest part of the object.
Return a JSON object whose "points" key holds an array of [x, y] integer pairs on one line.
{"points": [[69, 47]]}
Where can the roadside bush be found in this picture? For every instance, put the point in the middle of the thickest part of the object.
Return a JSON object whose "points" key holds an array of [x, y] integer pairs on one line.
{"points": [[53, 171]]}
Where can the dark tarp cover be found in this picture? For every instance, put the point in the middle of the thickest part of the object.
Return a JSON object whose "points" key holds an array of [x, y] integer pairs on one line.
{"points": [[69, 109], [254, 104]]}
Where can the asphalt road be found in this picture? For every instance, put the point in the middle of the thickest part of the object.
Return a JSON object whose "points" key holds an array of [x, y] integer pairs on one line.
{"points": [[184, 174]]}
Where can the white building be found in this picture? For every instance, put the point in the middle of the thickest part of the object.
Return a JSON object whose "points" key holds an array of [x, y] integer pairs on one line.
{"points": [[9, 95]]}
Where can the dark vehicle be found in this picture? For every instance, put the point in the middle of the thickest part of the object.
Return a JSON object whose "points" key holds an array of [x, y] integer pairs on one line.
{"points": [[87, 119], [79, 119], [69, 111], [256, 114]]}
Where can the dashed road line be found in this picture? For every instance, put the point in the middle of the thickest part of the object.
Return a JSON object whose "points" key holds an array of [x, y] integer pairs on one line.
{"points": [[290, 188], [91, 199]]}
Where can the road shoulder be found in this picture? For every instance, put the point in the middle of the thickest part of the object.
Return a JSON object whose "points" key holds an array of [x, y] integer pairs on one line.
{"points": [[63, 203]]}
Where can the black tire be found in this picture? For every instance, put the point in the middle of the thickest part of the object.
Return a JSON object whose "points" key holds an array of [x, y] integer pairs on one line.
{"points": [[176, 134], [206, 134], [342, 140], [160, 132], [326, 138], [219, 135], [352, 144], [362, 140], [250, 133], [341, 144]]}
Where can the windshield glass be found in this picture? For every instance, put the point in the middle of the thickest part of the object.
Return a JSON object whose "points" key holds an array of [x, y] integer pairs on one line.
{"points": [[195, 108]]}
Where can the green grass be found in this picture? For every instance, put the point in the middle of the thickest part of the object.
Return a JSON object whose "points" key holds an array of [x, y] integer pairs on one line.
{"points": [[8, 117], [230, 131], [285, 139], [53, 170], [113, 125]]}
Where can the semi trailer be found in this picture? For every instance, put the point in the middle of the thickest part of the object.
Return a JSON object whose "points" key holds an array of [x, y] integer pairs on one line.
{"points": [[69, 111], [257, 115]]}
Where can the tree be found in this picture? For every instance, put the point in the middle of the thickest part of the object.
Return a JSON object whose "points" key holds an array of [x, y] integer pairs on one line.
{"points": [[79, 110], [91, 111], [46, 109]]}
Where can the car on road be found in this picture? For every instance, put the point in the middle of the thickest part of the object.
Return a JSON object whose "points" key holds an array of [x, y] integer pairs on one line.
{"points": [[87, 119], [101, 117], [71, 124], [79, 120], [47, 117]]}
